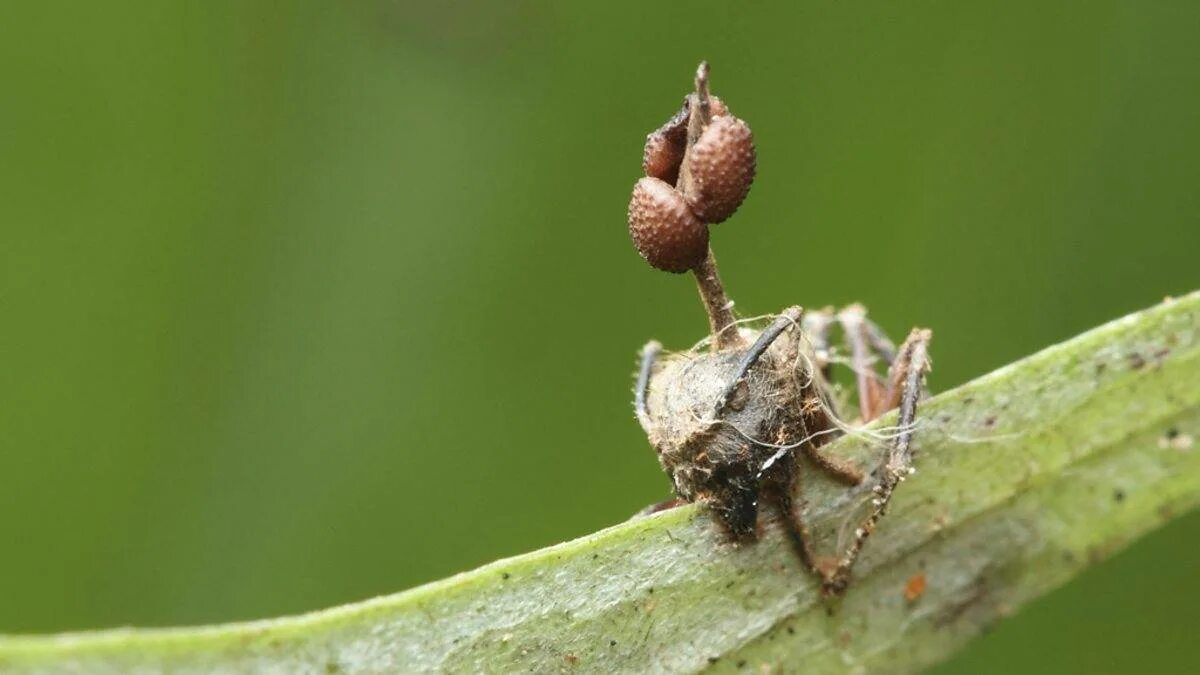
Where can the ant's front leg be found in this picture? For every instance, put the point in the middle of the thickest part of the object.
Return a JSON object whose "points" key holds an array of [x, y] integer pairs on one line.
{"points": [[649, 355], [907, 383]]}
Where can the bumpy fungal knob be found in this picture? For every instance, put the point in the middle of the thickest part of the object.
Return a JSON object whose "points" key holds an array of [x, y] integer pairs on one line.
{"points": [[664, 230], [666, 145], [721, 168]]}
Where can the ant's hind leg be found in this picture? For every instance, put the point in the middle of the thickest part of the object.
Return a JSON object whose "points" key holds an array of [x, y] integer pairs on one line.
{"points": [[868, 344], [895, 394], [879, 341], [862, 361], [816, 325], [907, 375]]}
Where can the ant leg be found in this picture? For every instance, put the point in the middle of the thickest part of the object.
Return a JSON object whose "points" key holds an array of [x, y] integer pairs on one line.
{"points": [[836, 467], [908, 372], [879, 341], [790, 317], [862, 361], [819, 415], [649, 354], [865, 337], [796, 528], [664, 505], [894, 395], [797, 531], [816, 326]]}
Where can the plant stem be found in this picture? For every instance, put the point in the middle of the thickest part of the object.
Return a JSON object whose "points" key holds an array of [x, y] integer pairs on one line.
{"points": [[1026, 477]]}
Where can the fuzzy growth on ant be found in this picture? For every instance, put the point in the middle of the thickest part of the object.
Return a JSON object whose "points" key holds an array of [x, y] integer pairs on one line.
{"points": [[732, 423]]}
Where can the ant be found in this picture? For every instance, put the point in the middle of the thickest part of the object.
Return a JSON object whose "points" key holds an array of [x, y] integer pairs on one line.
{"points": [[731, 423]]}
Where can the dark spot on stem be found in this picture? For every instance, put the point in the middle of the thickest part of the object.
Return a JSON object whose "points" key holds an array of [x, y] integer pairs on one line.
{"points": [[1118, 495], [505, 576], [1136, 361]]}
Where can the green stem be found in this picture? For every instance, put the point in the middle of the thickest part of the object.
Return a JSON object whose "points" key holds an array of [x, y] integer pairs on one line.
{"points": [[1025, 477]]}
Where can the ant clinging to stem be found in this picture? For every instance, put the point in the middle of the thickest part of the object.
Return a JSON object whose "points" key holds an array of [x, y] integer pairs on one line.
{"points": [[731, 423]]}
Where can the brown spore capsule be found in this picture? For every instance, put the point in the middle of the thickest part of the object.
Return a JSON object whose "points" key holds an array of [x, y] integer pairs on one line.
{"points": [[664, 230], [721, 169], [666, 145], [716, 107], [664, 149]]}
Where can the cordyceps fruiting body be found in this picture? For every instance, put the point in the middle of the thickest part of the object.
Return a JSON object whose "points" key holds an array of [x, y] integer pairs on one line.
{"points": [[720, 169], [735, 423], [666, 232]]}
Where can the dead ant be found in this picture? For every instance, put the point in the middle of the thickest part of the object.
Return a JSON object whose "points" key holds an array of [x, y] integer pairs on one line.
{"points": [[730, 424]]}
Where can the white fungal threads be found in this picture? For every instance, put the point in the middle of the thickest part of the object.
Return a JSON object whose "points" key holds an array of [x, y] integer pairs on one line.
{"points": [[801, 365]]}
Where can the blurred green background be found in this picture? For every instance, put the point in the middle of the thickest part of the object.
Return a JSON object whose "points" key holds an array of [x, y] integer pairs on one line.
{"points": [[305, 303]]}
